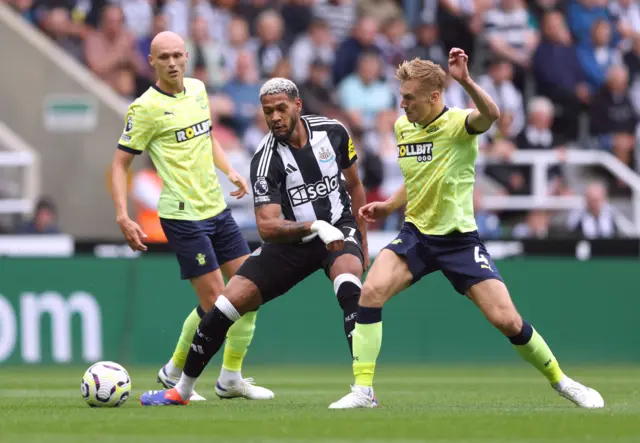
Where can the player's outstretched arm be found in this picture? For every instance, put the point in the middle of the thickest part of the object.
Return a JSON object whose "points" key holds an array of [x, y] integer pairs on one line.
{"points": [[379, 210], [487, 112], [130, 229], [222, 163]]}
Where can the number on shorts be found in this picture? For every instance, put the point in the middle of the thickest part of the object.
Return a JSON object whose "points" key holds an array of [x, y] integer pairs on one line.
{"points": [[479, 257], [350, 237]]}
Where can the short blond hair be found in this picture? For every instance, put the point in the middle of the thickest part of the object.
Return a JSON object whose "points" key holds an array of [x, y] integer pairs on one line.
{"points": [[429, 74]]}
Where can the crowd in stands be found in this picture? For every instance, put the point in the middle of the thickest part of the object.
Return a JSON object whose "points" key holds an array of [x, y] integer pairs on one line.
{"points": [[551, 65]]}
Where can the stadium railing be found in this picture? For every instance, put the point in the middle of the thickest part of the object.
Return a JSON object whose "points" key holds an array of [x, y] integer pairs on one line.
{"points": [[541, 160], [16, 153]]}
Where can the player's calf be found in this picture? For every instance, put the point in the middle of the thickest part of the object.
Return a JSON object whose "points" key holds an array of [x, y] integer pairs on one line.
{"points": [[493, 299]]}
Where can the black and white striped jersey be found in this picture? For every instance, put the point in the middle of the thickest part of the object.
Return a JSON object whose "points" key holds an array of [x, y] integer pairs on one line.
{"points": [[308, 182]]}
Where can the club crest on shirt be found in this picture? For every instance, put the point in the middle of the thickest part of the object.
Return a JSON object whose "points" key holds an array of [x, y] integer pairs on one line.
{"points": [[325, 155], [202, 101]]}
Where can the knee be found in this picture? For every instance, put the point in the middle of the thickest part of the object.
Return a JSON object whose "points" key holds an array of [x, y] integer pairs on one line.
{"points": [[372, 296], [347, 287]]}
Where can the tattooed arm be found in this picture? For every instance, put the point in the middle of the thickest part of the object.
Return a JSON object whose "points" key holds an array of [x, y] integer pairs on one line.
{"points": [[273, 229]]}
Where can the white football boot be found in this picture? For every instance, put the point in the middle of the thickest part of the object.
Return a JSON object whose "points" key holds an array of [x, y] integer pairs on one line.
{"points": [[170, 382], [359, 397], [243, 388], [579, 394]]}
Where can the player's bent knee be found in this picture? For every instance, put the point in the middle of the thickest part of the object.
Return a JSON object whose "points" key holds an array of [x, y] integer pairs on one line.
{"points": [[346, 278], [243, 294], [227, 308], [373, 296], [347, 288]]}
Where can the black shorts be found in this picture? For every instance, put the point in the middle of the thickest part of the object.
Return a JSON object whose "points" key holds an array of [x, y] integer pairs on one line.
{"points": [[202, 246], [275, 268], [460, 256]]}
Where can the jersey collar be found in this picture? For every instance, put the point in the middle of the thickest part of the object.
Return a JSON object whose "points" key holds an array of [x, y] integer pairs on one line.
{"points": [[165, 93], [432, 121]]}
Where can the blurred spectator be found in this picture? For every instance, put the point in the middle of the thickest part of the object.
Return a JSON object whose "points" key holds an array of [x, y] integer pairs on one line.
{"points": [[632, 58], [429, 46], [363, 94], [460, 21], [269, 46], [488, 222], [238, 41], [315, 44], [510, 177], [363, 40], [317, 97], [339, 14], [45, 219], [282, 69], [539, 8], [138, 16], [632, 61], [381, 140], [597, 220], [626, 18], [454, 94], [178, 13], [536, 225], [511, 37], [255, 133], [244, 90], [498, 84], [218, 15], [298, 15], [581, 16], [111, 53], [380, 10], [145, 195], [394, 42], [249, 10], [24, 7], [567, 86], [55, 19], [144, 42], [240, 160], [537, 135], [205, 56], [613, 118], [597, 56]]}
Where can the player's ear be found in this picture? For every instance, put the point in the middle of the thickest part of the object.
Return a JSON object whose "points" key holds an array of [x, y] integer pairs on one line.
{"points": [[299, 104], [150, 58], [435, 96]]}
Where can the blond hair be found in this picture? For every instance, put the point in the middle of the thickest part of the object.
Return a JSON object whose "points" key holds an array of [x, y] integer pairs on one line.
{"points": [[429, 74]]}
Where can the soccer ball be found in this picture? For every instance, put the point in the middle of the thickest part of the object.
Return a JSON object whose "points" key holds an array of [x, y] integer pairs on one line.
{"points": [[106, 384]]}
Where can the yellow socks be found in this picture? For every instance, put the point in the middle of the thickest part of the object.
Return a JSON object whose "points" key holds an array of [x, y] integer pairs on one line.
{"points": [[238, 340], [532, 347], [367, 340]]}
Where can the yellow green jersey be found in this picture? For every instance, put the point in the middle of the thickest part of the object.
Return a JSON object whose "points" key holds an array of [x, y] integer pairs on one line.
{"points": [[176, 131], [438, 165]]}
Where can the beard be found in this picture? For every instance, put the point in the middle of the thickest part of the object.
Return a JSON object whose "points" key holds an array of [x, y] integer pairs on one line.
{"points": [[292, 126]]}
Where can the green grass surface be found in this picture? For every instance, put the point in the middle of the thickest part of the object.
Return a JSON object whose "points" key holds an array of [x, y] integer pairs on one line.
{"points": [[436, 404]]}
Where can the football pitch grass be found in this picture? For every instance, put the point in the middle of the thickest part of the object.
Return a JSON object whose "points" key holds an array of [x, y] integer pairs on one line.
{"points": [[453, 404]]}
